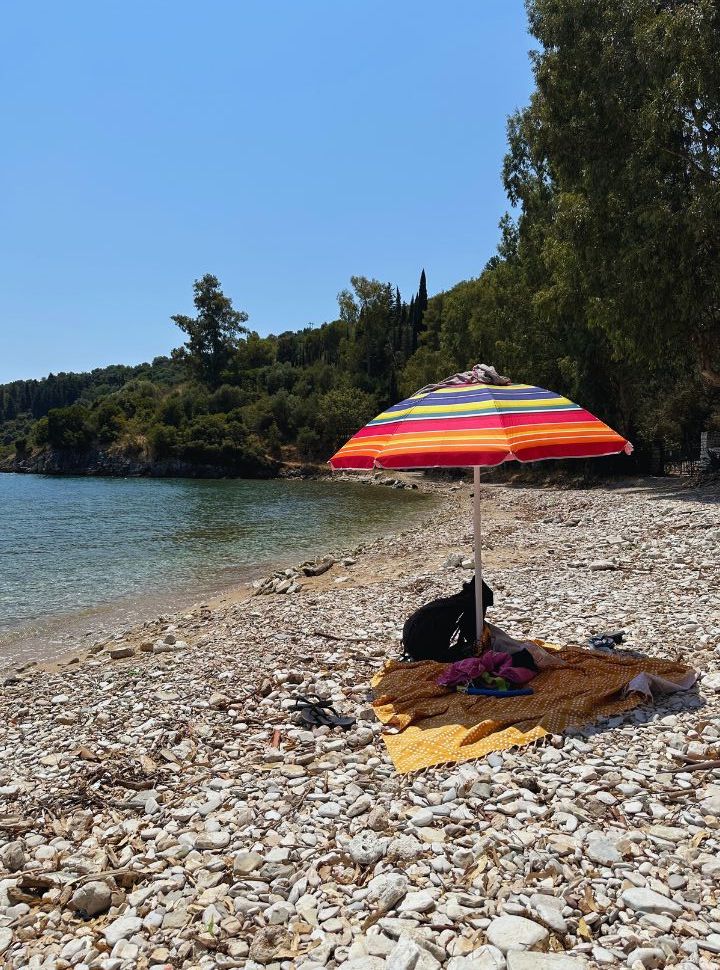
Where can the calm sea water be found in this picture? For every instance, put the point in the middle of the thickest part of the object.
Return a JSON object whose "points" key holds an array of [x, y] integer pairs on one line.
{"points": [[90, 551]]}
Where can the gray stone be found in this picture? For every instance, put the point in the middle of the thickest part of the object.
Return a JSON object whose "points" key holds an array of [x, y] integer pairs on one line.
{"points": [[279, 914], [400, 926], [711, 681], [378, 819], [422, 818], [650, 957], [516, 933], [121, 929], [12, 856], [363, 963], [266, 943], [119, 653], [604, 957], [329, 810], [404, 955], [91, 899], [549, 909], [711, 943], [219, 701], [454, 560], [367, 848], [463, 858], [487, 957], [176, 918], [668, 833], [212, 841], [603, 852], [360, 806], [405, 847], [280, 853], [517, 960], [419, 902], [125, 952], [377, 945], [6, 936], [663, 923], [648, 901], [247, 862], [387, 890], [710, 805], [427, 961]]}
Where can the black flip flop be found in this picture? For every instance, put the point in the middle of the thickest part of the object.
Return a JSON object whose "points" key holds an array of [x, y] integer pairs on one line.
{"points": [[321, 713], [607, 641]]}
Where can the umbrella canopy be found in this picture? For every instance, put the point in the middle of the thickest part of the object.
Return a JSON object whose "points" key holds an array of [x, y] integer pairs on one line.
{"points": [[473, 424], [478, 419]]}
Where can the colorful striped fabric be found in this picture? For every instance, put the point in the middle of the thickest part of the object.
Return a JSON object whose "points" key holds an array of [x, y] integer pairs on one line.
{"points": [[478, 424]]}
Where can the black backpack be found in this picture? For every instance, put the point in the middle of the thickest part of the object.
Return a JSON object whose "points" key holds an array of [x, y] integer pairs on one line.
{"points": [[444, 630]]}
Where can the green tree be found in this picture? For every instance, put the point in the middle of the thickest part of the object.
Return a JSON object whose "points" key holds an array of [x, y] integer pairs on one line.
{"points": [[40, 432], [69, 427], [163, 440], [214, 333], [109, 420], [424, 367], [617, 156], [341, 413], [423, 293]]}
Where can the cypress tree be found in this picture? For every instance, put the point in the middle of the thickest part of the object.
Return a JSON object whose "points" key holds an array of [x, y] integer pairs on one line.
{"points": [[422, 295], [397, 314], [412, 327], [418, 306]]}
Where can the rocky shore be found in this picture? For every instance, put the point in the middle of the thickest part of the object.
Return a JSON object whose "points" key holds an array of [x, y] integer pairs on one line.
{"points": [[113, 463], [161, 807]]}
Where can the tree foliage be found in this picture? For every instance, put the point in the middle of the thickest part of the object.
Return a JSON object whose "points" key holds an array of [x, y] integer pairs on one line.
{"points": [[214, 333], [616, 166]]}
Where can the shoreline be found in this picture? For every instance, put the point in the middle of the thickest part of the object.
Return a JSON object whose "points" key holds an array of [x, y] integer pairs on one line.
{"points": [[230, 595], [157, 608], [99, 463], [40, 639], [165, 782]]}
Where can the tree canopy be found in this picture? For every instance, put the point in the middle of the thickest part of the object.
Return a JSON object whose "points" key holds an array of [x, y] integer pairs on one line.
{"points": [[213, 334]]}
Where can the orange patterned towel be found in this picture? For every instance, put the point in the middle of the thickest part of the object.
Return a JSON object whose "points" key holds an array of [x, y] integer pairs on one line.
{"points": [[439, 726]]}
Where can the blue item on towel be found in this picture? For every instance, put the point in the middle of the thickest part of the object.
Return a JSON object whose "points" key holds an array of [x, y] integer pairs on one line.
{"points": [[492, 692]]}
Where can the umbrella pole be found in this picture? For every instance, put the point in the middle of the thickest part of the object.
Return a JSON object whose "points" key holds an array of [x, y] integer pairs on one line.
{"points": [[477, 525]]}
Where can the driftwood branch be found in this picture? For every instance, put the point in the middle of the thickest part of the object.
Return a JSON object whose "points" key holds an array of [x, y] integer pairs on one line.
{"points": [[696, 766]]}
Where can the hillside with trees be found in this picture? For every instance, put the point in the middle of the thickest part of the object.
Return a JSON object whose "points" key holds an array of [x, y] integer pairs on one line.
{"points": [[227, 398], [605, 286]]}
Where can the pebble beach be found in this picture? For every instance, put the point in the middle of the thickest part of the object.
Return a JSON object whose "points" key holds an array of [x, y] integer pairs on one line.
{"points": [[161, 807]]}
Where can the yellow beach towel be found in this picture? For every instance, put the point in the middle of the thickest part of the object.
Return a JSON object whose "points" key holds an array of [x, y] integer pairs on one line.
{"points": [[438, 726]]}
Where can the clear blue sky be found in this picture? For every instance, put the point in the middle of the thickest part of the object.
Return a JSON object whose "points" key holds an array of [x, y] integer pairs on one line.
{"points": [[281, 144]]}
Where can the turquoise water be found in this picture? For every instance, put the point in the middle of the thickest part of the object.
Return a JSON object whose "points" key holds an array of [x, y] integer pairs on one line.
{"points": [[74, 547]]}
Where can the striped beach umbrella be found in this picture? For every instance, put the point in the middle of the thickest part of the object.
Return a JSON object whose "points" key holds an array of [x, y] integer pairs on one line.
{"points": [[478, 419]]}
